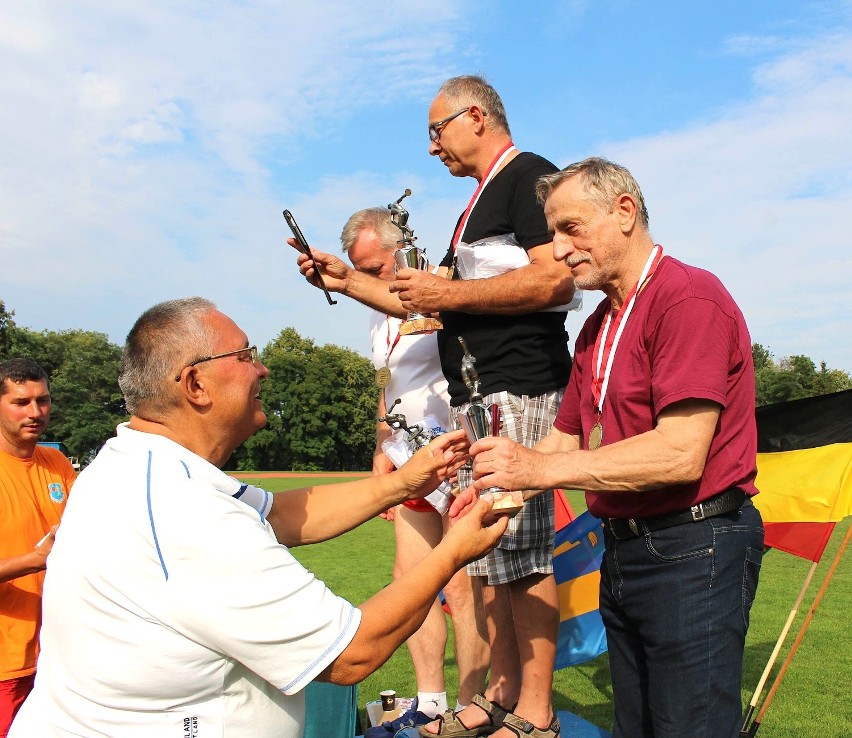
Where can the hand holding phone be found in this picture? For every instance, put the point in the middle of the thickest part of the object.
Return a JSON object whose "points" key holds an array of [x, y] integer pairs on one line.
{"points": [[305, 249]]}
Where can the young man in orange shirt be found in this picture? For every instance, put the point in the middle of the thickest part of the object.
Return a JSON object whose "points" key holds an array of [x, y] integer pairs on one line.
{"points": [[34, 484]]}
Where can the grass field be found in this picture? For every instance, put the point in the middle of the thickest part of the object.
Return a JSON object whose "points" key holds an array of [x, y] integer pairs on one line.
{"points": [[815, 698]]}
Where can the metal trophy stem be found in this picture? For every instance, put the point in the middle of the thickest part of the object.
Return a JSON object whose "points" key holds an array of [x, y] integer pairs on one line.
{"points": [[478, 419], [410, 256]]}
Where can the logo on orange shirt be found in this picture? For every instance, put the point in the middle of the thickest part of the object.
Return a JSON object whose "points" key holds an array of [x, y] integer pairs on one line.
{"points": [[57, 494]]}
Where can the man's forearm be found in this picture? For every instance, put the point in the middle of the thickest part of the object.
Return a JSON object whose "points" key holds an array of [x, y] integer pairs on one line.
{"points": [[673, 453], [19, 566], [374, 293], [525, 290], [383, 432], [644, 462], [315, 514]]}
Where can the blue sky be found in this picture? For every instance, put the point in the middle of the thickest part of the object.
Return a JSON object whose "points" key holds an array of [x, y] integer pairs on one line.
{"points": [[149, 148]]}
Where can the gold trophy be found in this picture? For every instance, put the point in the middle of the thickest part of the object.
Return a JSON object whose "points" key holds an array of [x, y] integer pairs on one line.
{"points": [[409, 255]]}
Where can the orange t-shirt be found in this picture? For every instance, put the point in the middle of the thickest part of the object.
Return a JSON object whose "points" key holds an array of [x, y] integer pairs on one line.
{"points": [[33, 493]]}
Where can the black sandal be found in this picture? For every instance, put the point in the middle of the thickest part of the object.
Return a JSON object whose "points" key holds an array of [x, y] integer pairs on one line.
{"points": [[525, 729]]}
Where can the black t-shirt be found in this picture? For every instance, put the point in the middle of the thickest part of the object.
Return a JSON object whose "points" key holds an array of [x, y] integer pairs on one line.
{"points": [[524, 354]]}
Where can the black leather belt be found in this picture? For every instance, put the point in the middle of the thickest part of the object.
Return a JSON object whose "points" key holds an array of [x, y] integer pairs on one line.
{"points": [[724, 502]]}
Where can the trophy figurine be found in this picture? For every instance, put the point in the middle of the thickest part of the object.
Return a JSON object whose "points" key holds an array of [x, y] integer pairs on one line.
{"points": [[406, 440], [409, 255], [480, 421]]}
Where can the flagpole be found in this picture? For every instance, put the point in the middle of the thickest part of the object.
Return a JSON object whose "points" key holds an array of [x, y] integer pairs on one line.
{"points": [[752, 705], [828, 577]]}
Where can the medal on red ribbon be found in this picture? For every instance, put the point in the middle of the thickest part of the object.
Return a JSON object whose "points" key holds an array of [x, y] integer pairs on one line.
{"points": [[383, 375], [606, 346]]}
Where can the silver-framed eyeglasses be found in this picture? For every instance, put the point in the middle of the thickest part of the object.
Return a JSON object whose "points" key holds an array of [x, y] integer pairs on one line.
{"points": [[438, 126], [251, 350]]}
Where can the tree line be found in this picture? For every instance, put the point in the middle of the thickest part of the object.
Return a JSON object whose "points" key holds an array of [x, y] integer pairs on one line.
{"points": [[793, 377], [320, 401]]}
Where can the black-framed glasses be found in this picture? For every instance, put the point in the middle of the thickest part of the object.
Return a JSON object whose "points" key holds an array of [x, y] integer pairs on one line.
{"points": [[438, 126], [252, 350]]}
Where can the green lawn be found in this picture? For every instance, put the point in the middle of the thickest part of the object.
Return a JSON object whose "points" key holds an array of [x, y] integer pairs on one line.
{"points": [[813, 700]]}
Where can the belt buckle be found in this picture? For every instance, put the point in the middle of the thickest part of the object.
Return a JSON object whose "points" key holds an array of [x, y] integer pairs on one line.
{"points": [[697, 512]]}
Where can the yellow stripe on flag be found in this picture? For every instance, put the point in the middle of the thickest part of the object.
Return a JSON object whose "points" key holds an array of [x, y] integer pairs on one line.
{"points": [[579, 596], [812, 485]]}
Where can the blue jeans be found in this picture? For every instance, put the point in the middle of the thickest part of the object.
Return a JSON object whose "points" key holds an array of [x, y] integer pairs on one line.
{"points": [[675, 603]]}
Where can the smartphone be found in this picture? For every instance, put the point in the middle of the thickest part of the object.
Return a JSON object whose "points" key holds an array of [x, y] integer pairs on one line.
{"points": [[305, 249]]}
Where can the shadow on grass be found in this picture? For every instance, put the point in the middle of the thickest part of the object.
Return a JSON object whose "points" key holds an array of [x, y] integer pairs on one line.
{"points": [[586, 691]]}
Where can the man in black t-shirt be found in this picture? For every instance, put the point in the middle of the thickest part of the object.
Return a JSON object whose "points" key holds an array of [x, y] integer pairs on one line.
{"points": [[504, 299]]}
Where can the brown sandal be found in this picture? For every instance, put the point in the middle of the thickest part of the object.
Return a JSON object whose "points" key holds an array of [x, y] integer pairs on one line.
{"points": [[525, 729], [451, 726]]}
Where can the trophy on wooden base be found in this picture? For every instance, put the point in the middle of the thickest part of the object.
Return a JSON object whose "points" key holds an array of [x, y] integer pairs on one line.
{"points": [[409, 255], [480, 421]]}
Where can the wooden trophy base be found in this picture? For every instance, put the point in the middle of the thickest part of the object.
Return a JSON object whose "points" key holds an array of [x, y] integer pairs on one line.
{"points": [[415, 326], [507, 503]]}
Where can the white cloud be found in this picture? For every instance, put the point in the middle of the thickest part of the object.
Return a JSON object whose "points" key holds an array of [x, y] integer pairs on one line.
{"points": [[136, 165], [759, 197], [141, 142]]}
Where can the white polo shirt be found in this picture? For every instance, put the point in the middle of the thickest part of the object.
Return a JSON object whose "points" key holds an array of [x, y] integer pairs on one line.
{"points": [[171, 611]]}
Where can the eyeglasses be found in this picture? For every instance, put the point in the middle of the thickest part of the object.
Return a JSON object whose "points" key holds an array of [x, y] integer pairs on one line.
{"points": [[252, 350], [436, 128]]}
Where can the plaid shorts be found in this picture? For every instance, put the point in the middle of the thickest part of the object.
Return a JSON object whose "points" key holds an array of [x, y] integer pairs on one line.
{"points": [[527, 546]]}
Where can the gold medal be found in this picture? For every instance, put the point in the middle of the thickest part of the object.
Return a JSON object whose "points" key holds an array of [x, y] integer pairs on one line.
{"points": [[595, 436], [383, 377]]}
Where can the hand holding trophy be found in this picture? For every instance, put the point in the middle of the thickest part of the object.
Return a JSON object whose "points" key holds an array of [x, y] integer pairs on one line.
{"points": [[480, 421], [409, 255]]}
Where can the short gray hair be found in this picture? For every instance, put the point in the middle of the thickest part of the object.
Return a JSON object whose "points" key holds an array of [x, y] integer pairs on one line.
{"points": [[469, 90], [166, 338], [377, 220], [602, 179]]}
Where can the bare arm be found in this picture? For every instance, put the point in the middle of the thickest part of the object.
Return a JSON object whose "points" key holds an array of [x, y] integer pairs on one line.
{"points": [[314, 514], [381, 463], [340, 277], [674, 452], [30, 562], [391, 616], [541, 284]]}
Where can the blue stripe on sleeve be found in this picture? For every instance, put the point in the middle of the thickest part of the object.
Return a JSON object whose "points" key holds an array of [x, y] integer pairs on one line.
{"points": [[321, 657], [151, 518]]}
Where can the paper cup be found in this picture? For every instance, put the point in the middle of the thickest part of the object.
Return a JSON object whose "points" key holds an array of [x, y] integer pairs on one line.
{"points": [[388, 697]]}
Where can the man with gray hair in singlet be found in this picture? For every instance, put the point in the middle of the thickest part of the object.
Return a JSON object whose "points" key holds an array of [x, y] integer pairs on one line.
{"points": [[409, 371]]}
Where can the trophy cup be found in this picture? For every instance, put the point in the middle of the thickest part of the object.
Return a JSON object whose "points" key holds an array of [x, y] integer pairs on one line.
{"points": [[409, 255], [480, 421], [406, 440]]}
